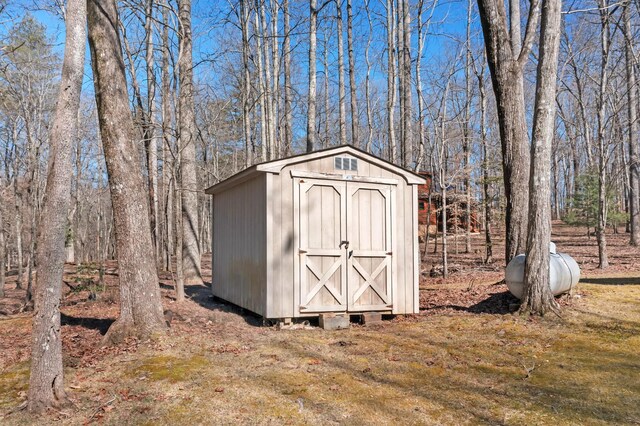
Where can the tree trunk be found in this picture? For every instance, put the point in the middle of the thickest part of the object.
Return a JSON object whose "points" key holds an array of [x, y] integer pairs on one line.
{"points": [[352, 78], [506, 62], [605, 40], [421, 106], [152, 142], [167, 136], [391, 82], [407, 104], [537, 298], [368, 82], [262, 92], [3, 255], [188, 135], [246, 83], [311, 108], [46, 379], [140, 302], [288, 90], [326, 140], [342, 108], [467, 138], [18, 231], [399, 40], [632, 112], [488, 241]]}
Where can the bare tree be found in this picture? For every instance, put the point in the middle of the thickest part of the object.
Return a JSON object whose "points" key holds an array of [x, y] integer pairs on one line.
{"points": [[466, 130], [537, 297], [3, 255], [405, 70], [249, 149], [311, 108], [352, 78], [507, 55], [391, 81], [288, 89], [188, 135], [140, 303], [632, 128], [605, 47], [342, 108], [46, 380], [151, 142]]}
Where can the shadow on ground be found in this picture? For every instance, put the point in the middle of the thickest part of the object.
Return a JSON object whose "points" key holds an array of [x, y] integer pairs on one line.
{"points": [[201, 294], [100, 324], [611, 281]]}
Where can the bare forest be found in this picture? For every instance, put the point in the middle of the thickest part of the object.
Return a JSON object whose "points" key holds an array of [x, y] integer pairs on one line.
{"points": [[115, 116]]}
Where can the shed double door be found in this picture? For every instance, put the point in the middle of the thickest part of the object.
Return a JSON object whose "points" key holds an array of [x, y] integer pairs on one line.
{"points": [[345, 250]]}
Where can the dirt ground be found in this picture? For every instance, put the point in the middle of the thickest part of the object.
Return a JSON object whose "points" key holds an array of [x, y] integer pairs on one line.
{"points": [[465, 359]]}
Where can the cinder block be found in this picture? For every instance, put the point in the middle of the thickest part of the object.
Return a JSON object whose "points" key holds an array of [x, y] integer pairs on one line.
{"points": [[332, 321], [369, 318]]}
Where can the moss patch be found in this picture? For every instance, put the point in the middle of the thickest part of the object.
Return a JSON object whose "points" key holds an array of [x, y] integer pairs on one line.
{"points": [[170, 368], [13, 382]]}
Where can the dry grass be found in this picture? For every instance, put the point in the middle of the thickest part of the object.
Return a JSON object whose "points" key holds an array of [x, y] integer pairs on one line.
{"points": [[464, 360], [448, 368]]}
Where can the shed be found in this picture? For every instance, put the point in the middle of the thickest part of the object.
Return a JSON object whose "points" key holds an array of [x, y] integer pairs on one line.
{"points": [[334, 230]]}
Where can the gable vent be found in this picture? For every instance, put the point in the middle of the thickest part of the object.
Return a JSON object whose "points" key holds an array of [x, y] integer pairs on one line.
{"points": [[345, 163]]}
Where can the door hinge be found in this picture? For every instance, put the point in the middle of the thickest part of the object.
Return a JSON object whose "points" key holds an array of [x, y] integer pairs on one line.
{"points": [[301, 251]]}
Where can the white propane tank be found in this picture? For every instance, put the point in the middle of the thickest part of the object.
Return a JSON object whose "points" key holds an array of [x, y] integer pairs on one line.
{"points": [[564, 273]]}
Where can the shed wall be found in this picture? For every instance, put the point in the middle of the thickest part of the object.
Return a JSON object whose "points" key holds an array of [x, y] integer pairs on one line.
{"points": [[239, 266], [280, 300]]}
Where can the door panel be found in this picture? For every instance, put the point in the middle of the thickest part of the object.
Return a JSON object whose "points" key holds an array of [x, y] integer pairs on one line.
{"points": [[322, 258], [369, 253], [339, 277]]}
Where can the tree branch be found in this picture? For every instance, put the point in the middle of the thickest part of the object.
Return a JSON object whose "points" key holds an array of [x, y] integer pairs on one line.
{"points": [[532, 24]]}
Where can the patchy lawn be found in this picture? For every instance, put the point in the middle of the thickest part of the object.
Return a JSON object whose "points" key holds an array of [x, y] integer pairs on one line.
{"points": [[464, 360]]}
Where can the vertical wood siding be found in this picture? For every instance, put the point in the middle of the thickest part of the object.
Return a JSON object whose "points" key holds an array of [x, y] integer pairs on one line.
{"points": [[239, 265]]}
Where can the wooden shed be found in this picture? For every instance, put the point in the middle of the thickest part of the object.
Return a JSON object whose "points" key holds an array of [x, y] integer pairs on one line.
{"points": [[329, 231]]}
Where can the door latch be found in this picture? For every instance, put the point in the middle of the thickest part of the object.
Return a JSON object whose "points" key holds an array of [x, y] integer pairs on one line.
{"points": [[346, 244]]}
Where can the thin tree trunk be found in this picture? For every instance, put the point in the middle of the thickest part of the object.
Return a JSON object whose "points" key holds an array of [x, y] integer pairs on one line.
{"points": [[632, 113], [407, 105], [326, 140], [488, 241], [152, 143], [311, 108], [342, 108], [267, 94], [368, 81], [140, 302], [167, 132], [275, 86], [467, 138], [352, 79], [537, 298], [3, 255], [602, 150], [246, 83], [17, 196], [46, 379], [421, 106], [399, 40], [288, 95], [262, 94], [179, 245], [391, 81], [188, 134]]}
